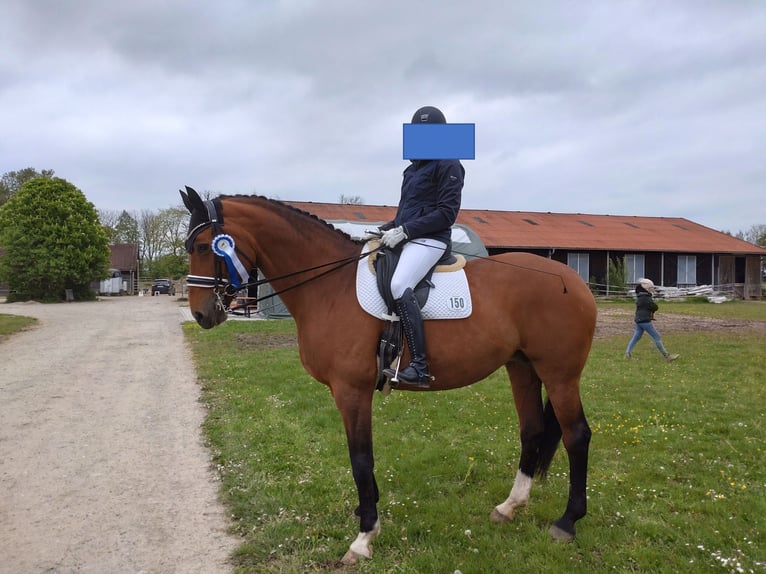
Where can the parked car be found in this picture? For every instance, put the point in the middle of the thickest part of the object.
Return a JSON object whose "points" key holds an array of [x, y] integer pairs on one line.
{"points": [[163, 286]]}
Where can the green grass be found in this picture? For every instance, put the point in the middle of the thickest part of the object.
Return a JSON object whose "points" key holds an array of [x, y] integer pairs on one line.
{"points": [[10, 324], [677, 478]]}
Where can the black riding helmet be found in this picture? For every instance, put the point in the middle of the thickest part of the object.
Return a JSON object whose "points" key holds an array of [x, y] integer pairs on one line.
{"points": [[428, 115]]}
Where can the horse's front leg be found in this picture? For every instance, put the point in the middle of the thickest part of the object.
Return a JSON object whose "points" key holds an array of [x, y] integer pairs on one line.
{"points": [[356, 411]]}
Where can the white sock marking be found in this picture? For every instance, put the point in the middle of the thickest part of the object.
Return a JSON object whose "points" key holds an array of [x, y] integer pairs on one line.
{"points": [[518, 497], [361, 546]]}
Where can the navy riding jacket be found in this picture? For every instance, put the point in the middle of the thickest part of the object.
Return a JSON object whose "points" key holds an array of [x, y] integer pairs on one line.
{"points": [[430, 200]]}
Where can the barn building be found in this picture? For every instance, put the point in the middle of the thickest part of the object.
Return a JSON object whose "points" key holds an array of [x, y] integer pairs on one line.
{"points": [[124, 262], [672, 251]]}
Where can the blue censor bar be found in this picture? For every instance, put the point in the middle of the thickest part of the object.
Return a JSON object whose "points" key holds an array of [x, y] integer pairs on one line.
{"points": [[439, 141]]}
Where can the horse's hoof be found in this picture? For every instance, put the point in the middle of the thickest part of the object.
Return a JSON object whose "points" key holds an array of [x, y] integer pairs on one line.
{"points": [[561, 535], [499, 518], [350, 559]]}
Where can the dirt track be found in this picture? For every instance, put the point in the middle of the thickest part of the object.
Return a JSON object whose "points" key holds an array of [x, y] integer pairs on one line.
{"points": [[102, 465], [620, 322]]}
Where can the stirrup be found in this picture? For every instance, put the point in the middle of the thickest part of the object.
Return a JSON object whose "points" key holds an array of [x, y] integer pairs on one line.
{"points": [[394, 378], [422, 380]]}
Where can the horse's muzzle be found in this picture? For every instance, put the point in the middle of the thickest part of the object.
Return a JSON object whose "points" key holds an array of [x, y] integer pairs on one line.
{"points": [[211, 314]]}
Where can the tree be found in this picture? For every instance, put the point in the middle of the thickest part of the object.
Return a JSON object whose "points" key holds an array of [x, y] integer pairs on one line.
{"points": [[12, 181], [756, 234], [171, 260], [171, 265], [151, 236], [351, 199], [52, 240], [163, 235], [108, 219], [126, 229], [617, 277], [173, 222]]}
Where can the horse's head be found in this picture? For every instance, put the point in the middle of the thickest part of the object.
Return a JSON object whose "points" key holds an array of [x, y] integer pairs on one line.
{"points": [[215, 271]]}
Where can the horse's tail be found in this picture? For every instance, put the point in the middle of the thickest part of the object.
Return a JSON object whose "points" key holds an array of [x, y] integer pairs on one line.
{"points": [[550, 440]]}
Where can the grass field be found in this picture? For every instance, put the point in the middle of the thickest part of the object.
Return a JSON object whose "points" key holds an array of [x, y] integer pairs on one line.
{"points": [[10, 324], [677, 477]]}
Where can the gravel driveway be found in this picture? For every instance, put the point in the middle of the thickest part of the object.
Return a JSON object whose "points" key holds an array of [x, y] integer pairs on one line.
{"points": [[102, 464]]}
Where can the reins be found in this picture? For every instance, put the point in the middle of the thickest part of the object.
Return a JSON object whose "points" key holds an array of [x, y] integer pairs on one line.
{"points": [[340, 263], [563, 284]]}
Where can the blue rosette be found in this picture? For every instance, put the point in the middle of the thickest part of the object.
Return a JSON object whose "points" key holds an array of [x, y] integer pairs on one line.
{"points": [[223, 246]]}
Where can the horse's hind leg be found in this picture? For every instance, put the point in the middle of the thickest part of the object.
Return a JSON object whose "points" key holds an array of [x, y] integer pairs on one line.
{"points": [[527, 396]]}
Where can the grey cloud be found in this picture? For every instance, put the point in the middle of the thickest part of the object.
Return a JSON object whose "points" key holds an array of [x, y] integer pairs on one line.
{"points": [[580, 106]]}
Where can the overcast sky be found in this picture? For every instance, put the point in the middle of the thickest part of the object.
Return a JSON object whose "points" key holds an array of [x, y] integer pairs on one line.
{"points": [[651, 107]]}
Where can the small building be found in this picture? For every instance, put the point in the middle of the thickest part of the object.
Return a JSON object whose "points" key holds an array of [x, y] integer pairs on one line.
{"points": [[124, 259], [672, 251]]}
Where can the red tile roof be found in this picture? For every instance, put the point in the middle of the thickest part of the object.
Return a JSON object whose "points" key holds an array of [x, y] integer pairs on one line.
{"points": [[534, 230]]}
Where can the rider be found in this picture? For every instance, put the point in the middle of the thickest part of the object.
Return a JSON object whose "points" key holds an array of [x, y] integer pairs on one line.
{"points": [[428, 207]]}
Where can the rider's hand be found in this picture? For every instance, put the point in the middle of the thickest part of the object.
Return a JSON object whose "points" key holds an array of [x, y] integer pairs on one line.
{"points": [[393, 237]]}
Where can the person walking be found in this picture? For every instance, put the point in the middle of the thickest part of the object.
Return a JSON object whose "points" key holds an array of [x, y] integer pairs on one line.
{"points": [[645, 309], [428, 207]]}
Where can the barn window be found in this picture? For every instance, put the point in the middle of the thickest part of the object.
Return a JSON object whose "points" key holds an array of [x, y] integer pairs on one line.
{"points": [[634, 267], [580, 263], [687, 271]]}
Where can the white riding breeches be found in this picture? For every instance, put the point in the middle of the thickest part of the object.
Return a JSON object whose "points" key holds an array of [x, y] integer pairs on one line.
{"points": [[418, 256]]}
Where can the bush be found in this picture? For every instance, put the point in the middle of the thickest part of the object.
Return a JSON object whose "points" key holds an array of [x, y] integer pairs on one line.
{"points": [[52, 241]]}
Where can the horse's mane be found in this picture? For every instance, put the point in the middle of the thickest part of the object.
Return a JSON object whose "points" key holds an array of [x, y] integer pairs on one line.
{"points": [[293, 213]]}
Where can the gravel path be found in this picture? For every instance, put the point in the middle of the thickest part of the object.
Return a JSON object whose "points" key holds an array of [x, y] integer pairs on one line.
{"points": [[102, 464]]}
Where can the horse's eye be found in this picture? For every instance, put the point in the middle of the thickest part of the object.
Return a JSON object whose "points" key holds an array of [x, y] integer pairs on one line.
{"points": [[203, 248]]}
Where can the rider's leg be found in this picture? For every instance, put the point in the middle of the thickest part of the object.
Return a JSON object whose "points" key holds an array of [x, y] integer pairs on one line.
{"points": [[418, 256]]}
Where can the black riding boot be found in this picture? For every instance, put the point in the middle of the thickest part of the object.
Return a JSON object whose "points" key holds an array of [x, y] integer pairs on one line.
{"points": [[416, 373]]}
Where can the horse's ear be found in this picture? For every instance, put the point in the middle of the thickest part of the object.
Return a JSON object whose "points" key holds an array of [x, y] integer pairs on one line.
{"points": [[192, 200], [185, 198]]}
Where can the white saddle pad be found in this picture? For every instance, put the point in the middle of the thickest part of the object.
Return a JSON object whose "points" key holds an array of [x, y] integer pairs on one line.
{"points": [[448, 299]]}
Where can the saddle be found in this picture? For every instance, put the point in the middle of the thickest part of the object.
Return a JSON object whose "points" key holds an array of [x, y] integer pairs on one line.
{"points": [[391, 342], [384, 263]]}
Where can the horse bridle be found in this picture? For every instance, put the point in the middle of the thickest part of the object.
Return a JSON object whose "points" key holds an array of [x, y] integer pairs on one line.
{"points": [[225, 254]]}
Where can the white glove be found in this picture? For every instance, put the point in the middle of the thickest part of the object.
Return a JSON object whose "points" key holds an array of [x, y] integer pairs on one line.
{"points": [[393, 237]]}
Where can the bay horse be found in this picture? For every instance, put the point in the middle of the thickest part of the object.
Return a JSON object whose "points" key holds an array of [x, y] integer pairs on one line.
{"points": [[530, 314]]}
